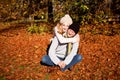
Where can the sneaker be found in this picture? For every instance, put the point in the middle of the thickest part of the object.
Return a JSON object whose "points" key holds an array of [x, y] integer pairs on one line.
{"points": [[70, 69]]}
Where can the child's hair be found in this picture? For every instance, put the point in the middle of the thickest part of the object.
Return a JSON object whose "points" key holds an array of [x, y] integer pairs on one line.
{"points": [[59, 27]]}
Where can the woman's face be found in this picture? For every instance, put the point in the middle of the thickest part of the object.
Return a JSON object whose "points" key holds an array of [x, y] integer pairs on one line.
{"points": [[65, 27], [70, 33]]}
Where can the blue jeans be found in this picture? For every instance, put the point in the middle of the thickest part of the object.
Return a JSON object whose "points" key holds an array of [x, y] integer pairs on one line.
{"points": [[46, 60]]}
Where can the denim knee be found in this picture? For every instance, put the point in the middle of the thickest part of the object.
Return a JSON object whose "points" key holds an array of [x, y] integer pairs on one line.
{"points": [[44, 60], [79, 57]]}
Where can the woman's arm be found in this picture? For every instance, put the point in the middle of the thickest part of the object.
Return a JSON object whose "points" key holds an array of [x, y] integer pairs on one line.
{"points": [[63, 39]]}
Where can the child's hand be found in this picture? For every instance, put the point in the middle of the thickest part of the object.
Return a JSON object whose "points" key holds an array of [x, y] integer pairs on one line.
{"points": [[61, 64], [76, 39]]}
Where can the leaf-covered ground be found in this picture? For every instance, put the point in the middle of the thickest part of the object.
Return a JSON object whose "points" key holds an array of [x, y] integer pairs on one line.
{"points": [[21, 52]]}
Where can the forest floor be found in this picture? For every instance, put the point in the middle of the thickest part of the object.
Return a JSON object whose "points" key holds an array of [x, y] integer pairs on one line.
{"points": [[21, 53]]}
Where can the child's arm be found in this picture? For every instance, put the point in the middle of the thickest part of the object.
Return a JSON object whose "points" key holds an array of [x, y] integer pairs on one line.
{"points": [[63, 39]]}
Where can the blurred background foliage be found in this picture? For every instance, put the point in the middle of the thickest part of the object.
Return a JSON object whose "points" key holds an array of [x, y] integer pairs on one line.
{"points": [[88, 11], [95, 16], [83, 11]]}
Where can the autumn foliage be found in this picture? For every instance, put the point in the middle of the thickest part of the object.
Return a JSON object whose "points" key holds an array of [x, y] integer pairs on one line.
{"points": [[21, 52], [26, 27]]}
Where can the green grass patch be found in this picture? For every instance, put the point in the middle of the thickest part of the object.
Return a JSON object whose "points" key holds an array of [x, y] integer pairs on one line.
{"points": [[47, 76], [2, 78]]}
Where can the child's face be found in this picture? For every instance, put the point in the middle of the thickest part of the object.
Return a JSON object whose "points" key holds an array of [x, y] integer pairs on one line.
{"points": [[70, 33], [65, 27]]}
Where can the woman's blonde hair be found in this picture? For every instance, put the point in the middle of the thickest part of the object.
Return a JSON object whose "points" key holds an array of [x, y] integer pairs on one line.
{"points": [[59, 27]]}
